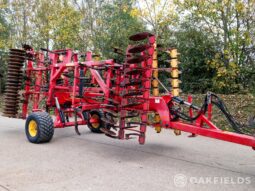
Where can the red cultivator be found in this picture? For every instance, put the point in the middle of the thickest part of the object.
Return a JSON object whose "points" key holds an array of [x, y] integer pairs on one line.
{"points": [[110, 98]]}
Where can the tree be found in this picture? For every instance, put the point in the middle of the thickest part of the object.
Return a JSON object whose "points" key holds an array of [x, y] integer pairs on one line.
{"points": [[158, 15], [119, 25], [4, 28], [196, 49], [57, 25], [107, 24], [228, 23]]}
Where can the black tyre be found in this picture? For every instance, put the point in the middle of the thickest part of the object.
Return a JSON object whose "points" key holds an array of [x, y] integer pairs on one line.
{"points": [[39, 127], [94, 121]]}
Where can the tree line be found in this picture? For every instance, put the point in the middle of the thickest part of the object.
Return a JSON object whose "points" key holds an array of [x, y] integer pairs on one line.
{"points": [[216, 38]]}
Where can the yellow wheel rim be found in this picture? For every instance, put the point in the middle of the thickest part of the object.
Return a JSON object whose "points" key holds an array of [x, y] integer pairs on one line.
{"points": [[32, 128], [96, 124]]}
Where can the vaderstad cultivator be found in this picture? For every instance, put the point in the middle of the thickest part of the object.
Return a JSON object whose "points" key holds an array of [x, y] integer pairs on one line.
{"points": [[108, 97]]}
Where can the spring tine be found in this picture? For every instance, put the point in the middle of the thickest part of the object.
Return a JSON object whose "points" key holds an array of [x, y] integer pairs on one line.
{"points": [[132, 104], [112, 100], [113, 113], [136, 123], [107, 131], [112, 136], [108, 121], [132, 134]]}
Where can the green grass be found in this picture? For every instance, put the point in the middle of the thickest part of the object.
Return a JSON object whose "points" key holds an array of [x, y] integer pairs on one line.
{"points": [[240, 106]]}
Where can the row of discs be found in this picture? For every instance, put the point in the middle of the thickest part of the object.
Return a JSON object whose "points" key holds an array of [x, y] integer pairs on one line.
{"points": [[13, 85]]}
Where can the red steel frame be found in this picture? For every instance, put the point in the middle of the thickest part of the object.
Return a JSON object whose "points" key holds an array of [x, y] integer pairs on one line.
{"points": [[68, 94]]}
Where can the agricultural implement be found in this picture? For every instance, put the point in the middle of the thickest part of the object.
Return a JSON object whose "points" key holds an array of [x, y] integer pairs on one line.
{"points": [[112, 98]]}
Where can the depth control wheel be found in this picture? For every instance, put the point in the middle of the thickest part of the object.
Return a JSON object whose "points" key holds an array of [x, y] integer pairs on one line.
{"points": [[95, 122], [39, 127]]}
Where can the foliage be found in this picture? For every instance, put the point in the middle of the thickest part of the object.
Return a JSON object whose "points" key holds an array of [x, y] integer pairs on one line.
{"points": [[120, 24], [4, 28], [216, 38], [230, 24], [225, 79], [196, 49]]}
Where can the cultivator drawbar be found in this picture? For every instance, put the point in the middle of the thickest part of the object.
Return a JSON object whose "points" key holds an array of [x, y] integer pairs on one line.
{"points": [[109, 97]]}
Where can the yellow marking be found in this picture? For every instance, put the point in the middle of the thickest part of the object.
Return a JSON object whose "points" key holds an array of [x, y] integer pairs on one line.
{"points": [[174, 63]]}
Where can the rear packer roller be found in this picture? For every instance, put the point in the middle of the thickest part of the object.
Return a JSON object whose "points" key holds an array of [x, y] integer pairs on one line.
{"points": [[13, 85]]}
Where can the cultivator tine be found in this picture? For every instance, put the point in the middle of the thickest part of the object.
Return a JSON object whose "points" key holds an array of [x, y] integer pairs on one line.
{"points": [[136, 123], [111, 112], [112, 101], [112, 136], [77, 129], [130, 127], [75, 122], [128, 135], [108, 121], [132, 105], [108, 105], [108, 132]]}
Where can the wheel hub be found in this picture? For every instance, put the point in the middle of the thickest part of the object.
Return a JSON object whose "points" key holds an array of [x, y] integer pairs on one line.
{"points": [[32, 128]]}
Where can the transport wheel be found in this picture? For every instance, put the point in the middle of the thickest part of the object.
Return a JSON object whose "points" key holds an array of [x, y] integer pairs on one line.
{"points": [[95, 122], [39, 127]]}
